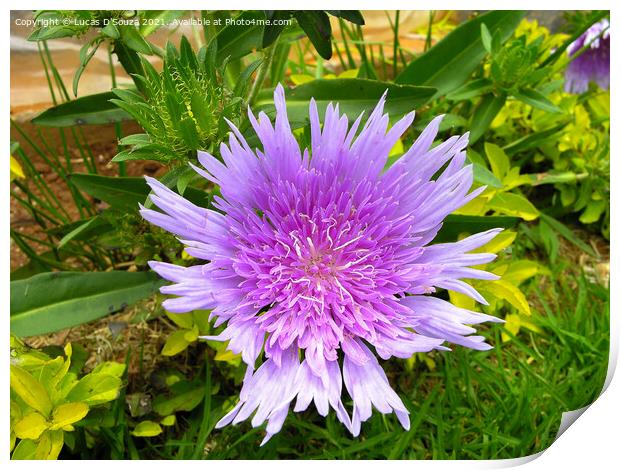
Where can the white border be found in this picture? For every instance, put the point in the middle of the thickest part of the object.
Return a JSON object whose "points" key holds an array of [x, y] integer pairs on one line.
{"points": [[592, 442]]}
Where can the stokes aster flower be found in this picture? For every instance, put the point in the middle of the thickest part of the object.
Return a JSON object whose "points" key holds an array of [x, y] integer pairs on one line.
{"points": [[315, 257], [592, 65]]}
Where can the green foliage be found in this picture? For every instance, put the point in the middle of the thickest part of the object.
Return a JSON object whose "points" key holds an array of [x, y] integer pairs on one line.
{"points": [[50, 398]]}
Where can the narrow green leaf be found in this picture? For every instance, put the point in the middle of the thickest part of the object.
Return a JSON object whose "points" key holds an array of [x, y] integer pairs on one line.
{"points": [[487, 40], [537, 100], [120, 192], [91, 109], [471, 90], [484, 114], [240, 37], [567, 233]]}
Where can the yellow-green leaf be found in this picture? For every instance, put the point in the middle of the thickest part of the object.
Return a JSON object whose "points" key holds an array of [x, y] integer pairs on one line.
{"points": [[462, 300], [513, 204], [500, 164], [593, 212], [168, 420], [299, 78], [522, 270], [192, 335], [25, 450], [31, 426], [115, 369], [175, 343], [182, 320], [498, 243], [68, 413], [503, 290], [147, 429], [226, 355], [50, 445], [201, 320], [94, 389], [30, 390], [351, 73], [513, 324], [514, 179]]}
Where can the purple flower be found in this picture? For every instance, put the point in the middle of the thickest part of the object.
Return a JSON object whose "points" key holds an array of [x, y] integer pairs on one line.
{"points": [[314, 257], [592, 65]]}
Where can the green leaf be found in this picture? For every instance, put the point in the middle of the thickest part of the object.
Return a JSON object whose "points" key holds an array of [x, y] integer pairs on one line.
{"points": [[535, 139], [488, 107], [152, 20], [187, 396], [450, 62], [52, 301], [94, 389], [91, 109], [29, 389], [354, 95], [132, 38], [521, 270], [67, 414], [130, 60], [50, 445], [85, 229], [182, 320], [593, 212], [168, 420], [352, 16], [537, 100], [25, 450], [115, 369], [175, 343], [240, 37], [549, 240], [31, 426], [121, 192], [503, 290], [484, 176], [111, 31], [567, 233], [485, 36], [147, 429], [455, 224], [317, 27], [271, 32], [471, 90], [513, 204], [500, 164], [85, 56]]}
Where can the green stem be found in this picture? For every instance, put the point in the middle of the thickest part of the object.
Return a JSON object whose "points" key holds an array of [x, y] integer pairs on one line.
{"points": [[262, 73]]}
